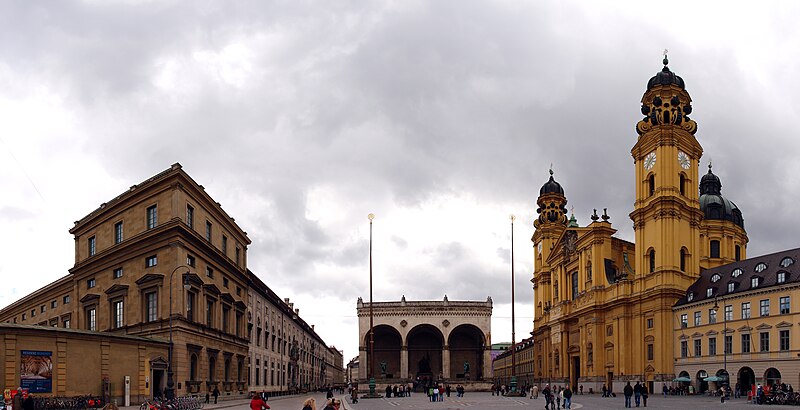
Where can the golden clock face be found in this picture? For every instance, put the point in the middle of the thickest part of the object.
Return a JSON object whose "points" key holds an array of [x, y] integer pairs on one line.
{"points": [[650, 161], [684, 160]]}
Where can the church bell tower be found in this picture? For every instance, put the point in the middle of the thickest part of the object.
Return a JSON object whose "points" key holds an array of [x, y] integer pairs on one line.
{"points": [[666, 216]]}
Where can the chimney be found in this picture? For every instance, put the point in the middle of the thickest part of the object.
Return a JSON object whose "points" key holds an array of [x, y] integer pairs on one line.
{"points": [[297, 311]]}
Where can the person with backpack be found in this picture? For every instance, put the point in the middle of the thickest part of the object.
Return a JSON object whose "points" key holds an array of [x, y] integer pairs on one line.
{"points": [[628, 392]]}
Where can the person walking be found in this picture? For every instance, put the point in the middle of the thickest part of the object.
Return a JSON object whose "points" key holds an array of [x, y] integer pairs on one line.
{"points": [[644, 394], [627, 392], [637, 393], [546, 393], [28, 404], [559, 394], [567, 397], [664, 390], [535, 392], [605, 391], [257, 403], [216, 394]]}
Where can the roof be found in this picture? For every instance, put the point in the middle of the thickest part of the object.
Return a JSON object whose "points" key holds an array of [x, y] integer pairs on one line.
{"points": [[741, 274]]}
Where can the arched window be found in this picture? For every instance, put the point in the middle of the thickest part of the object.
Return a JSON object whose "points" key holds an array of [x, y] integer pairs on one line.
{"points": [[227, 369], [683, 184], [212, 369], [738, 251], [683, 259], [652, 260], [651, 185], [714, 249]]}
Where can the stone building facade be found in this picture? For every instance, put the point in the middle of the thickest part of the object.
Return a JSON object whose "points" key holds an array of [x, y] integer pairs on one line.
{"points": [[286, 354], [426, 340]]}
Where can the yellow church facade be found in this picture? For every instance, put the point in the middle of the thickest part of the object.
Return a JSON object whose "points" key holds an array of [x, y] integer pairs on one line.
{"points": [[603, 306]]}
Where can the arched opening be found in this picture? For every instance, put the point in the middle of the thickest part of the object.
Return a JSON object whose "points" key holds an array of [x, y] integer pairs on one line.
{"points": [[738, 253], [746, 379], [702, 385], [425, 344], [466, 345], [227, 369], [723, 377], [212, 369], [652, 260], [387, 352], [651, 185], [772, 376]]}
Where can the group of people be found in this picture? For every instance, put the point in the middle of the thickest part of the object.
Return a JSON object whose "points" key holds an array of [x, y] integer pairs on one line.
{"points": [[22, 402], [554, 397], [638, 392], [399, 390]]}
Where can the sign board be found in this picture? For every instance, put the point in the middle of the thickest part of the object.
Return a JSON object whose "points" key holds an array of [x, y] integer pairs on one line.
{"points": [[36, 371]]}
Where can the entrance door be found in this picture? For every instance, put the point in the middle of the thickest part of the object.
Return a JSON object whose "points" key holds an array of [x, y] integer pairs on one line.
{"points": [[610, 381], [158, 382], [576, 372]]}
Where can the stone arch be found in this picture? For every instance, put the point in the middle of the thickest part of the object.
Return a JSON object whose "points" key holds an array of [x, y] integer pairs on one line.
{"points": [[772, 376], [425, 343], [702, 385], [387, 350], [746, 378], [466, 344]]}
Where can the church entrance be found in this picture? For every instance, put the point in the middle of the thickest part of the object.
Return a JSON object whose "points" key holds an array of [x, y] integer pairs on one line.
{"points": [[575, 374], [425, 344]]}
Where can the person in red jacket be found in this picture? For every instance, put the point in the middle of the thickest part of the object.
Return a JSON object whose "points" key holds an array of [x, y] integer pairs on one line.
{"points": [[257, 403]]}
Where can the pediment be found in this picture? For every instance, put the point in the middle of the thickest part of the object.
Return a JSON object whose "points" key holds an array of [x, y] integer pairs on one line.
{"points": [[745, 328], [649, 369], [697, 334], [573, 349], [117, 288], [712, 333], [608, 344], [683, 337], [763, 326], [649, 338], [91, 297], [240, 305], [193, 279], [150, 279], [226, 297], [784, 324], [212, 289]]}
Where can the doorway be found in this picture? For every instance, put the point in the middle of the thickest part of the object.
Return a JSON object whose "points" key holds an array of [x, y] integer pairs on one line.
{"points": [[575, 375], [610, 382]]}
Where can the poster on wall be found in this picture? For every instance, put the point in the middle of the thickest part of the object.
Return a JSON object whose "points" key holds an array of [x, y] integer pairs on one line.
{"points": [[36, 371]]}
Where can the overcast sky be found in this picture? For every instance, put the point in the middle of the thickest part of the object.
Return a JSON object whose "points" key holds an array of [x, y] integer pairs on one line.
{"points": [[440, 117]]}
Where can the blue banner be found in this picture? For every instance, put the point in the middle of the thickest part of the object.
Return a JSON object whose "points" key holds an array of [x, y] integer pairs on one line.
{"points": [[36, 371]]}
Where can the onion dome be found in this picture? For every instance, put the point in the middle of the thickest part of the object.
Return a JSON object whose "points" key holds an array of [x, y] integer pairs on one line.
{"points": [[665, 77], [714, 205], [551, 186]]}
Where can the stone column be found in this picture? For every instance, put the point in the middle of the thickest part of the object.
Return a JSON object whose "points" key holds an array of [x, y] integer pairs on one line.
{"points": [[446, 361], [362, 365], [404, 362], [487, 363]]}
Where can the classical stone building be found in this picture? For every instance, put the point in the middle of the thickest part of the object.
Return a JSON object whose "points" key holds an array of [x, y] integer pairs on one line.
{"points": [[162, 255], [286, 354], [431, 340], [603, 305], [737, 322]]}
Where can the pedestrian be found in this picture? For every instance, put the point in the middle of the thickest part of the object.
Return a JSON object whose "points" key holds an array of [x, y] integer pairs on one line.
{"points": [[568, 397], [257, 403], [447, 390], [559, 396], [722, 394], [354, 395], [637, 393], [216, 394], [546, 394], [17, 401], [664, 390], [581, 389], [28, 404], [605, 391], [644, 394], [535, 392], [436, 393], [628, 392], [208, 397]]}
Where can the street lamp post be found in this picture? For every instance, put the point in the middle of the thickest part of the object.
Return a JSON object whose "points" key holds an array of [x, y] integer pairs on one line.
{"points": [[724, 335], [371, 356], [513, 336], [170, 379]]}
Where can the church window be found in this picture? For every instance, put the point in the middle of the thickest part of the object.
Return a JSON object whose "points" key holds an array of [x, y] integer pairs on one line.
{"points": [[652, 260], [609, 330], [589, 271], [715, 278], [651, 185], [738, 253], [650, 323], [683, 259], [761, 267], [714, 249], [786, 262], [650, 351], [574, 285], [736, 272]]}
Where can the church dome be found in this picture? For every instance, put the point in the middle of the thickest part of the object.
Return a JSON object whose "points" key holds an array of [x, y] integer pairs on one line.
{"points": [[714, 205], [551, 186], [665, 77]]}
